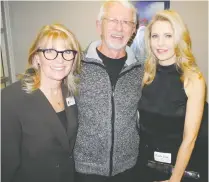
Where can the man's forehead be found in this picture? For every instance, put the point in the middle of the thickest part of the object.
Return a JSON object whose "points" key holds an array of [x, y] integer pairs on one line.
{"points": [[119, 11]]}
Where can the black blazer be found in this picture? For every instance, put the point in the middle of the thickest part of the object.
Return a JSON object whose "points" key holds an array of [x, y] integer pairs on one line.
{"points": [[35, 145]]}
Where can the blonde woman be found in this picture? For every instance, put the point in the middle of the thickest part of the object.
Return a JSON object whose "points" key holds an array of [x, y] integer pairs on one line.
{"points": [[172, 100], [39, 115]]}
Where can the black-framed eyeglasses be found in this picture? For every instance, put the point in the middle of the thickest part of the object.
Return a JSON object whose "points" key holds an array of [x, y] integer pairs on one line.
{"points": [[51, 54]]}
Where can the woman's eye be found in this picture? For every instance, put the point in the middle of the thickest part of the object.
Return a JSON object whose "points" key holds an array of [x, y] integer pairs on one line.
{"points": [[154, 36], [168, 36], [68, 52], [49, 51]]}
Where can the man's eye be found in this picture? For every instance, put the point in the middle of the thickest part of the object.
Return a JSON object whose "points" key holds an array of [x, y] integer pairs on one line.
{"points": [[114, 21], [125, 22]]}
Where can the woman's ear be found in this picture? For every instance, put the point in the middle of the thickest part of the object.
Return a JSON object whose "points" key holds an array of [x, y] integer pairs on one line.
{"points": [[36, 62]]}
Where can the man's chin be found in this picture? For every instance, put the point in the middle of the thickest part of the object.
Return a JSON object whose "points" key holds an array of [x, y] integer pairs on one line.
{"points": [[116, 46]]}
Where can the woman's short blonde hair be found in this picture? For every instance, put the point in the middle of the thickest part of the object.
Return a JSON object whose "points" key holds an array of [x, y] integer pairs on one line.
{"points": [[185, 60], [31, 78]]}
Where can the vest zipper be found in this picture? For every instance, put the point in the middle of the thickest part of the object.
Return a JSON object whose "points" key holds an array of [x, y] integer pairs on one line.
{"points": [[112, 123]]}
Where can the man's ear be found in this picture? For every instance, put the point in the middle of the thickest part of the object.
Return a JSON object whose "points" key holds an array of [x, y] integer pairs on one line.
{"points": [[99, 26], [134, 30]]}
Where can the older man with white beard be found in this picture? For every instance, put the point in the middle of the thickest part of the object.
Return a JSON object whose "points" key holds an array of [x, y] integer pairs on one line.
{"points": [[107, 144]]}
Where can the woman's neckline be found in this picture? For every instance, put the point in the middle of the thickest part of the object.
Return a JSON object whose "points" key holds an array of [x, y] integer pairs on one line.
{"points": [[166, 68]]}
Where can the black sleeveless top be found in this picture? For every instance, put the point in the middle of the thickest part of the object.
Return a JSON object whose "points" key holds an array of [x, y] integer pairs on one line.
{"points": [[162, 110]]}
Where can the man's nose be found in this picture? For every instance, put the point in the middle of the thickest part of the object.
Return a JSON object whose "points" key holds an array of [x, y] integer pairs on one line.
{"points": [[119, 25]]}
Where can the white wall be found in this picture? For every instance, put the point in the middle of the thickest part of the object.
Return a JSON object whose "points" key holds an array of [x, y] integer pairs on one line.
{"points": [[195, 15], [80, 16], [28, 17]]}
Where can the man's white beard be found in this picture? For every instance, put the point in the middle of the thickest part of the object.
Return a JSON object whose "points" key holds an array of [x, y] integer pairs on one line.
{"points": [[115, 46]]}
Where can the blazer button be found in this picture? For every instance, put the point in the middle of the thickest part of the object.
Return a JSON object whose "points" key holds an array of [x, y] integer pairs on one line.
{"points": [[57, 166], [70, 156]]}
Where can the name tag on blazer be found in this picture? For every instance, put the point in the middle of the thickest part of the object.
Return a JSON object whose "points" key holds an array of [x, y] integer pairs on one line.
{"points": [[70, 101]]}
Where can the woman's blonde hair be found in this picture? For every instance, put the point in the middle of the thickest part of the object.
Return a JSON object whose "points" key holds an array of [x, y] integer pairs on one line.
{"points": [[185, 60], [31, 78]]}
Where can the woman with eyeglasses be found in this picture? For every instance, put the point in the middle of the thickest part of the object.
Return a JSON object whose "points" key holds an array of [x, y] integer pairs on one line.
{"points": [[39, 114]]}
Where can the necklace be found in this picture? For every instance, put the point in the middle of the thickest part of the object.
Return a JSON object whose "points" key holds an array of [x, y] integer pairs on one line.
{"points": [[59, 102], [55, 99]]}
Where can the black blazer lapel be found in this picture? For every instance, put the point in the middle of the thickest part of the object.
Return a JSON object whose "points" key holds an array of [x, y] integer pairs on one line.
{"points": [[72, 116], [49, 116]]}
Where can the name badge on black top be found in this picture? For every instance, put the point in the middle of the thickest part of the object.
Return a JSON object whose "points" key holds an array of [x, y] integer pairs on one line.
{"points": [[70, 101]]}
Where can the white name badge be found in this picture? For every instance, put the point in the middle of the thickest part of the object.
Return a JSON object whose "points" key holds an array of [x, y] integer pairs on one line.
{"points": [[70, 101], [162, 157]]}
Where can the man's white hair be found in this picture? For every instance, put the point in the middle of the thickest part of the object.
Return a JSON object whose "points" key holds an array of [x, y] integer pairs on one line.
{"points": [[125, 3]]}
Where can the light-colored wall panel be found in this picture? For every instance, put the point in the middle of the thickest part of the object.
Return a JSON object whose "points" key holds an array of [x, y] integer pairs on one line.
{"points": [[28, 17], [80, 16], [195, 15]]}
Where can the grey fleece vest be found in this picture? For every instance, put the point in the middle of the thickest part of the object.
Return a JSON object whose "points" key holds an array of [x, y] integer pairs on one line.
{"points": [[107, 140]]}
